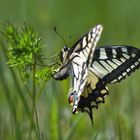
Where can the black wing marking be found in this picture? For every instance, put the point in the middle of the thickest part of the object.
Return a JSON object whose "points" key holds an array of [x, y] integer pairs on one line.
{"points": [[114, 63], [87, 43], [86, 104], [92, 95]]}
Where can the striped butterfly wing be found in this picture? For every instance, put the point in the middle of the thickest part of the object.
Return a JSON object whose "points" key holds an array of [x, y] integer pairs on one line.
{"points": [[110, 64], [84, 93], [113, 63], [82, 50], [86, 45], [92, 95], [79, 77]]}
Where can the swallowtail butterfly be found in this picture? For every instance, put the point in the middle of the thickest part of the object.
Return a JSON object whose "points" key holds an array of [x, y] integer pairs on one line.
{"points": [[91, 69]]}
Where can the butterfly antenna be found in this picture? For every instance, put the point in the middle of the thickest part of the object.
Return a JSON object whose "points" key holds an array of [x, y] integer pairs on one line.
{"points": [[60, 35]]}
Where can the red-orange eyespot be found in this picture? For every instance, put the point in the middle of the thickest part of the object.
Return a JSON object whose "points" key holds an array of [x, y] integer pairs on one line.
{"points": [[71, 99]]}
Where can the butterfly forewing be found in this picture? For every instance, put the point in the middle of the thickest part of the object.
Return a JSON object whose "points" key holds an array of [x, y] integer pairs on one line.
{"points": [[86, 45], [114, 63], [79, 77]]}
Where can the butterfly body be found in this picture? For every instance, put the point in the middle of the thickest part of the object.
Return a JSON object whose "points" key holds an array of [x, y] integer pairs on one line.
{"points": [[91, 69]]}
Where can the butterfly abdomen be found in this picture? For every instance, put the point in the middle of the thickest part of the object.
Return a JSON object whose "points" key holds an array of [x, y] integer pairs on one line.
{"points": [[62, 73]]}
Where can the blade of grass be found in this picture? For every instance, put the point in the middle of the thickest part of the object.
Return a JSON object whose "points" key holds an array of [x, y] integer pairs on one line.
{"points": [[72, 128], [34, 111], [54, 134], [11, 105]]}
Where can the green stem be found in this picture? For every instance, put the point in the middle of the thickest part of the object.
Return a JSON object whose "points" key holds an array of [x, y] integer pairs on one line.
{"points": [[40, 91], [34, 104], [28, 91], [37, 123]]}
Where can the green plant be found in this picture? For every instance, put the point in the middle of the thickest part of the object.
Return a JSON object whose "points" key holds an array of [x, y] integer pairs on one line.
{"points": [[24, 54]]}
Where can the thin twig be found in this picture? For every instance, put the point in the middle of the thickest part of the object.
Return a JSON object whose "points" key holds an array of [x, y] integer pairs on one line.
{"points": [[40, 91], [47, 65], [37, 122], [28, 91], [34, 99], [51, 57]]}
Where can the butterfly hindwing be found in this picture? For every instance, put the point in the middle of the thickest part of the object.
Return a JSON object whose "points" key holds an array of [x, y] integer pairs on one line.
{"points": [[92, 95]]}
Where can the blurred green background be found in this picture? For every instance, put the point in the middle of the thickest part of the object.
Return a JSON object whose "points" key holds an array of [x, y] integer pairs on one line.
{"points": [[118, 118]]}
